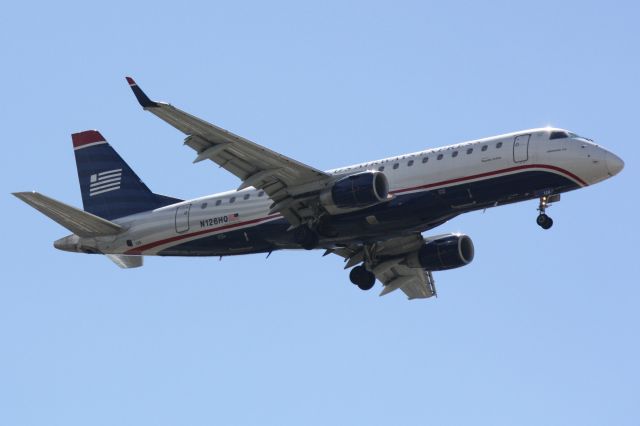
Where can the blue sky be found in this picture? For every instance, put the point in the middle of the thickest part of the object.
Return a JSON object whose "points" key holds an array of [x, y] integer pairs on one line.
{"points": [[542, 328]]}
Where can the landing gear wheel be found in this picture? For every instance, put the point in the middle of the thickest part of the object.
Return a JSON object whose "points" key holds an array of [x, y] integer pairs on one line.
{"points": [[364, 279], [368, 285], [305, 237], [544, 221]]}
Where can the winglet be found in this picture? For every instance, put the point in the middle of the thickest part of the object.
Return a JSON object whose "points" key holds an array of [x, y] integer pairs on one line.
{"points": [[142, 98]]}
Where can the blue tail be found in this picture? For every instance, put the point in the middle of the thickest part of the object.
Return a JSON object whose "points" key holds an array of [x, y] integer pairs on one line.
{"points": [[110, 189]]}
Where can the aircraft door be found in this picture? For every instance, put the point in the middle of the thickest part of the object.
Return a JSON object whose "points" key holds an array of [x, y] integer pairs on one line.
{"points": [[521, 148], [182, 218]]}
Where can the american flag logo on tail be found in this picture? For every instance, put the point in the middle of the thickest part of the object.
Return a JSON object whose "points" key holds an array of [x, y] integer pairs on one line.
{"points": [[102, 182]]}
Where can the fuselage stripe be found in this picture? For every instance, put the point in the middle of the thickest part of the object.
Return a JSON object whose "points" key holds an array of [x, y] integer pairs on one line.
{"points": [[139, 250]]}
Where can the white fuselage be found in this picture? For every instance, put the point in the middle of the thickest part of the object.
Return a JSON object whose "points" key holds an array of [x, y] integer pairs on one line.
{"points": [[573, 157]]}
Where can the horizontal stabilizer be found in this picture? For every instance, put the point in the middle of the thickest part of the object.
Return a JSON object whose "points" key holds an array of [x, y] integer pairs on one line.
{"points": [[126, 262], [75, 220]]}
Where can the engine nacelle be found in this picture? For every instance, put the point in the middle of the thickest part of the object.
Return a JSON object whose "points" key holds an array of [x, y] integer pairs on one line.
{"points": [[446, 252], [355, 192]]}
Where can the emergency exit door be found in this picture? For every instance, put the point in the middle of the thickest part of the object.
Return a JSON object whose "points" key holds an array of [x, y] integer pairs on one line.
{"points": [[521, 148]]}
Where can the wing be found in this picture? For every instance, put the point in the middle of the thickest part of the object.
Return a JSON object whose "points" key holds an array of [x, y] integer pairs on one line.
{"points": [[391, 271], [285, 180]]}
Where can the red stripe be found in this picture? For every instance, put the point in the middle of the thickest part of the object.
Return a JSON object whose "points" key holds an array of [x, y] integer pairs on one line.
{"points": [[139, 250], [497, 172], [86, 137]]}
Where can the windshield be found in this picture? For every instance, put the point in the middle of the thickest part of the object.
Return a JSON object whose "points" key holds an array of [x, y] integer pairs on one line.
{"points": [[558, 134], [562, 134]]}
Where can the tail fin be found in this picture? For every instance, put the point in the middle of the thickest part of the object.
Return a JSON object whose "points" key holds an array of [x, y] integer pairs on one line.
{"points": [[110, 188]]}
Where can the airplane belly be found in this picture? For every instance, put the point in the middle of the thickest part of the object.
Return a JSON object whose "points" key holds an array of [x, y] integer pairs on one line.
{"points": [[426, 209]]}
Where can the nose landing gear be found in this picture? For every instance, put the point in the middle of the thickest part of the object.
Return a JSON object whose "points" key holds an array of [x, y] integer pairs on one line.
{"points": [[544, 221]]}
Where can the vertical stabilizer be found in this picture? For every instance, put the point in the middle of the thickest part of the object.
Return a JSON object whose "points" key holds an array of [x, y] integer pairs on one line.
{"points": [[110, 188]]}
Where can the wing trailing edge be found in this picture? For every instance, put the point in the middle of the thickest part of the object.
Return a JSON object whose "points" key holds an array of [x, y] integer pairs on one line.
{"points": [[282, 178]]}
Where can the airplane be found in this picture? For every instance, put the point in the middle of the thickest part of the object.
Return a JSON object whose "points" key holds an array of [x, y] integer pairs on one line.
{"points": [[371, 214]]}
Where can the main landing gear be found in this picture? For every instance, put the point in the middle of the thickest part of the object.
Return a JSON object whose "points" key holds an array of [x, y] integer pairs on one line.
{"points": [[364, 279], [306, 237], [544, 221]]}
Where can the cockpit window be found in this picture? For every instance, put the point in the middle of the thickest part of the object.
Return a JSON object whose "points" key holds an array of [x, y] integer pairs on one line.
{"points": [[558, 135]]}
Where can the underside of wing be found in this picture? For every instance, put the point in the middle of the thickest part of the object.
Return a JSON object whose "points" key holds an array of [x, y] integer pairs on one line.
{"points": [[284, 179], [416, 283], [386, 260]]}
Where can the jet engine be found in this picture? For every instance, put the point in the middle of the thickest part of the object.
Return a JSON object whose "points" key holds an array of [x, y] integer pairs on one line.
{"points": [[355, 192], [444, 252]]}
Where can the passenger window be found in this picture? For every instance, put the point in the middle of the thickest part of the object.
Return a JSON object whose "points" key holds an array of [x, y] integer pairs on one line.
{"points": [[410, 163], [440, 156], [454, 154], [469, 151], [260, 194], [499, 145], [395, 166], [246, 197], [203, 206], [484, 148], [381, 168], [218, 202], [425, 159], [232, 200]]}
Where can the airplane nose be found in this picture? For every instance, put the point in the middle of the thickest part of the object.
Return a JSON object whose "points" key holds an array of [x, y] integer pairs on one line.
{"points": [[614, 163]]}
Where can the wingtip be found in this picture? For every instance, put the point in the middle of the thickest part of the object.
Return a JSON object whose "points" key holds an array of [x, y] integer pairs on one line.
{"points": [[142, 97], [23, 195]]}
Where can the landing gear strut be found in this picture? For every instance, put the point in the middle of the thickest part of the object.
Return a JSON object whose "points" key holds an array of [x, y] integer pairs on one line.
{"points": [[362, 278], [544, 221]]}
